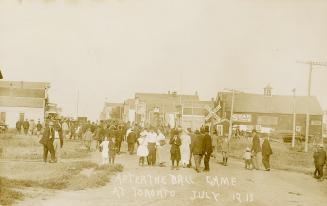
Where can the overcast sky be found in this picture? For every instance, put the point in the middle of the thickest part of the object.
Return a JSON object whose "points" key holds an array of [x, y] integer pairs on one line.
{"points": [[114, 48]]}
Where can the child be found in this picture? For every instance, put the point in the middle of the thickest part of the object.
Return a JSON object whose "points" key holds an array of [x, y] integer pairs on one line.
{"points": [[112, 150], [105, 151], [142, 150], [248, 159]]}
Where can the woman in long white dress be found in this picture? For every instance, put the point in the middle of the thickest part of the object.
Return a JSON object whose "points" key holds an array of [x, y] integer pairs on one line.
{"points": [[105, 151], [161, 152], [185, 148]]}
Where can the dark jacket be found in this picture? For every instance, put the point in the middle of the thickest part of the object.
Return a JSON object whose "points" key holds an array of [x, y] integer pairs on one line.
{"points": [[207, 144], [197, 145], [266, 149], [256, 144], [131, 137], [48, 136], [175, 144], [320, 157]]}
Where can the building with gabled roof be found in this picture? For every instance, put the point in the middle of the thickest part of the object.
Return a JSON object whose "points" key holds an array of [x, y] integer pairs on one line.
{"points": [[268, 112], [20, 100]]}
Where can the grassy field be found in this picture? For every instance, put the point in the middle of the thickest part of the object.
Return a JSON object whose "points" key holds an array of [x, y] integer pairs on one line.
{"points": [[28, 148], [23, 171], [284, 157]]}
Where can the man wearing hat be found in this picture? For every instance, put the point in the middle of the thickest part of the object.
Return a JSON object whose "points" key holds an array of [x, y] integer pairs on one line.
{"points": [[320, 161], [256, 149], [197, 149], [207, 148], [47, 141]]}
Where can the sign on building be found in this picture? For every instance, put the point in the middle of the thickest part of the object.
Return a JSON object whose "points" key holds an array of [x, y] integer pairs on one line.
{"points": [[242, 118], [316, 123]]}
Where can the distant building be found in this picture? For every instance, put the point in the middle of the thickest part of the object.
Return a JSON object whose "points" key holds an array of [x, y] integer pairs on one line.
{"points": [[270, 112], [22, 100], [165, 109], [112, 111]]}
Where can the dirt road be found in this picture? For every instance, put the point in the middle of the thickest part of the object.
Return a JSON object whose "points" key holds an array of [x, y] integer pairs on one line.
{"points": [[231, 185]]}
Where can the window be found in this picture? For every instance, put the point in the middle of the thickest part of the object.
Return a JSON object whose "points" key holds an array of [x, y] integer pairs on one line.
{"points": [[3, 117], [220, 130]]}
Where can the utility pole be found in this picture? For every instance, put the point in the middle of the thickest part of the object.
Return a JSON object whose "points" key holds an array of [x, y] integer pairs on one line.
{"points": [[77, 104], [230, 130], [294, 118], [311, 64]]}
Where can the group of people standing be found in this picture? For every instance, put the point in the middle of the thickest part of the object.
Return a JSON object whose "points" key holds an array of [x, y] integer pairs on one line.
{"points": [[28, 127]]}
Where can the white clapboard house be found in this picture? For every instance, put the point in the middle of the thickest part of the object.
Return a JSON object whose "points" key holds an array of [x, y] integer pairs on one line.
{"points": [[21, 100]]}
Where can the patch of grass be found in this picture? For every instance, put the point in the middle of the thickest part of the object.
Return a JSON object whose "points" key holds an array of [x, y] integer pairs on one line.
{"points": [[284, 157], [29, 148], [60, 176], [8, 196]]}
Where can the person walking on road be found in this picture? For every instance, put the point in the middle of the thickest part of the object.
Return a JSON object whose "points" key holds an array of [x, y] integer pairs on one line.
{"points": [[142, 150], [185, 148], [58, 141], [225, 150], [197, 150], [47, 142], [207, 148], [266, 152], [175, 152], [105, 151], [152, 140], [256, 149], [161, 142], [26, 126], [320, 161], [131, 140]]}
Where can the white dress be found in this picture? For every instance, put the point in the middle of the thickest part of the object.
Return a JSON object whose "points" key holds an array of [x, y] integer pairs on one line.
{"points": [[142, 150], [185, 149], [105, 149], [161, 152]]}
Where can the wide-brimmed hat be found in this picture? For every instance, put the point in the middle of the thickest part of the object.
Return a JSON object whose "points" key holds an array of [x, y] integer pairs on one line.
{"points": [[247, 149]]}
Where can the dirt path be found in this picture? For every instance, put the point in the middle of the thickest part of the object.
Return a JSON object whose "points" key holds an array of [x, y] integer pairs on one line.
{"points": [[233, 186]]}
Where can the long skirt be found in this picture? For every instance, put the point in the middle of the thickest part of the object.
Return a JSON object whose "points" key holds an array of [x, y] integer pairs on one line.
{"points": [[185, 153], [175, 154]]}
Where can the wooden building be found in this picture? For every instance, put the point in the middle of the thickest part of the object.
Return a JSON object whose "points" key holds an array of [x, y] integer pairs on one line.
{"points": [[268, 113], [22, 100]]}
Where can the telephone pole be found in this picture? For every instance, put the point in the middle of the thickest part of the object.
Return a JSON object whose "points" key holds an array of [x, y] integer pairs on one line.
{"points": [[294, 118], [311, 64]]}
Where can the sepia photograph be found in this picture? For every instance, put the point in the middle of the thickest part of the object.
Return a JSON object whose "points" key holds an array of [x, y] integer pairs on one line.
{"points": [[163, 102]]}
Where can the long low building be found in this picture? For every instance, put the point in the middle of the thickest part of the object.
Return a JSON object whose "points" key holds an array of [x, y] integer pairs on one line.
{"points": [[267, 112], [21, 100]]}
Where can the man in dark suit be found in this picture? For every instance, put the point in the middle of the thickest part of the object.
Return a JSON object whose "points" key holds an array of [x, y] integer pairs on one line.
{"points": [[256, 149], [47, 141], [320, 161], [131, 139], [207, 148], [197, 149]]}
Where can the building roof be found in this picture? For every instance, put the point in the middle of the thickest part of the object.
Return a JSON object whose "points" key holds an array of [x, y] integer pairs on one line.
{"points": [[166, 102], [23, 94], [275, 104], [24, 84], [110, 104]]}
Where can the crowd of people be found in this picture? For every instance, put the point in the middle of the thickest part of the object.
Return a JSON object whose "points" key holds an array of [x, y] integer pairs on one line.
{"points": [[151, 144]]}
